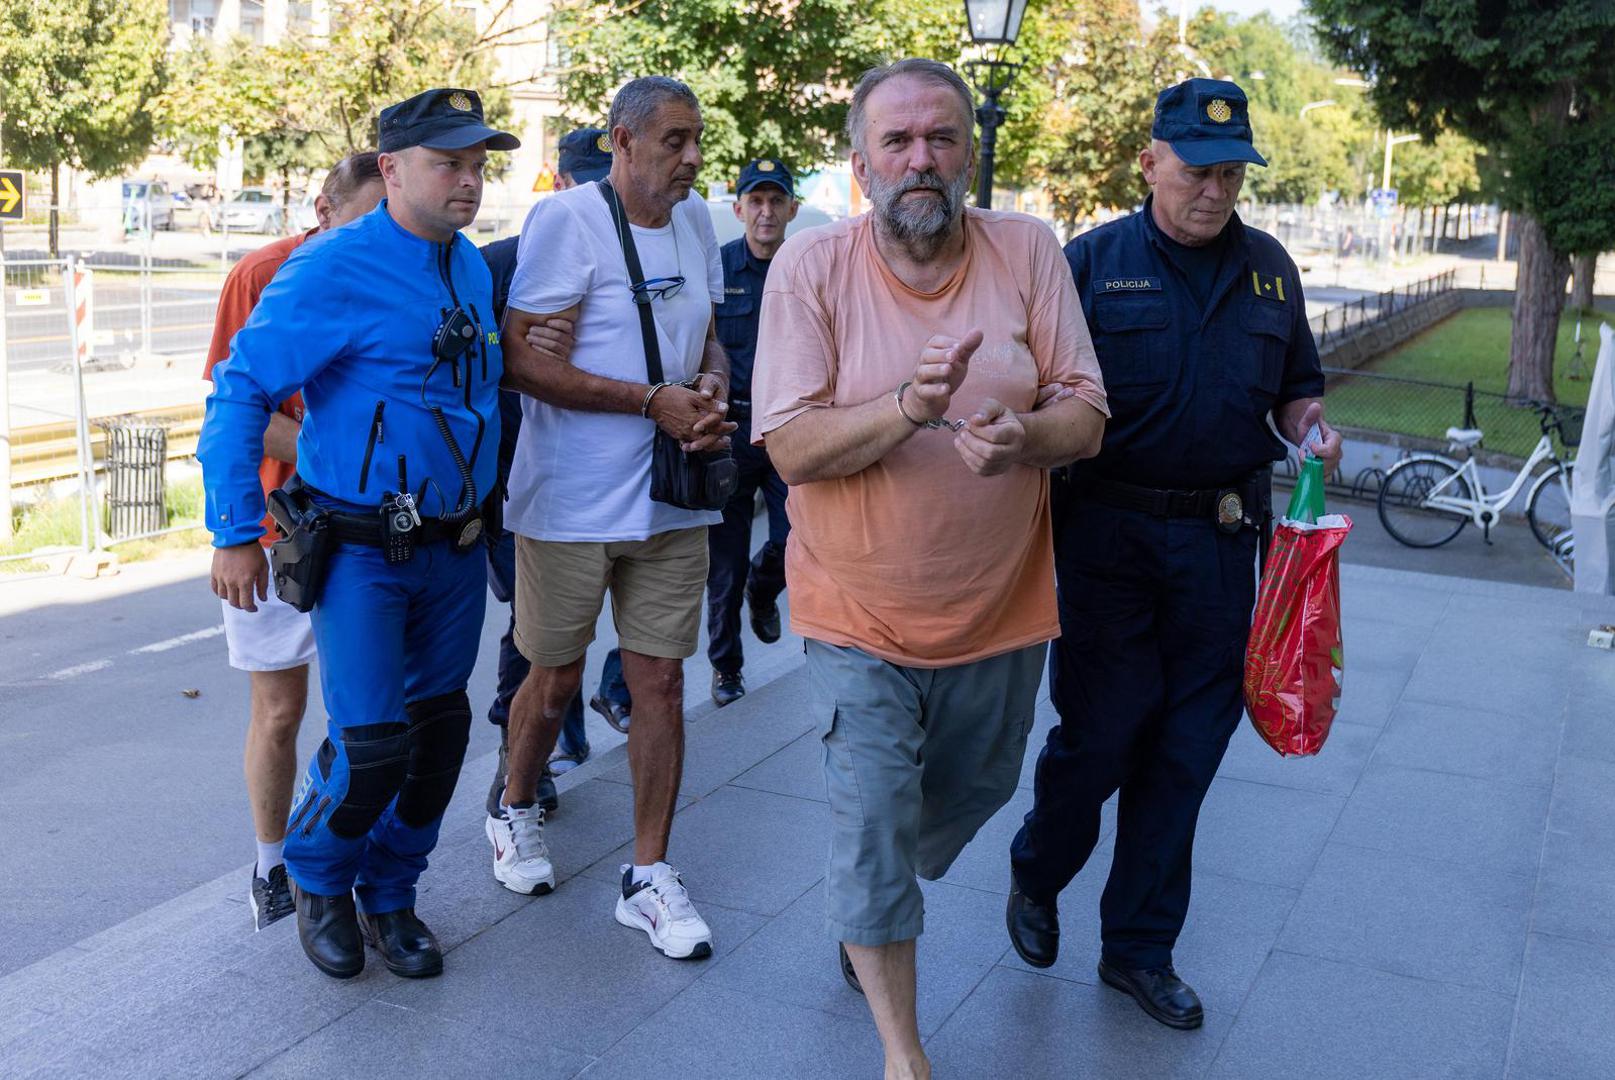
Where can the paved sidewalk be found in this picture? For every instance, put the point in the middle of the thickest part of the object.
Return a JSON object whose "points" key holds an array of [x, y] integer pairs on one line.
{"points": [[1433, 896]]}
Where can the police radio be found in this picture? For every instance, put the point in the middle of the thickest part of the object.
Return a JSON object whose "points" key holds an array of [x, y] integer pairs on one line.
{"points": [[399, 520]]}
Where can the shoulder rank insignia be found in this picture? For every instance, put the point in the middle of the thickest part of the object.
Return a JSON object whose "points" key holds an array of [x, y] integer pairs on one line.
{"points": [[1268, 286]]}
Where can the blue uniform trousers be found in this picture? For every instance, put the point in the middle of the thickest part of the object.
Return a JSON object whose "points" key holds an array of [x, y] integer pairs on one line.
{"points": [[729, 552], [513, 666], [1146, 677], [396, 646]]}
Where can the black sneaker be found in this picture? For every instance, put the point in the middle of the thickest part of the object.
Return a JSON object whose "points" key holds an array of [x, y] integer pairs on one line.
{"points": [[546, 795], [765, 622], [271, 897], [727, 688]]}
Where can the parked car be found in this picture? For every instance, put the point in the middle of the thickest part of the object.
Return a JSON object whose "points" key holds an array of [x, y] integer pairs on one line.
{"points": [[303, 216], [252, 210], [150, 204]]}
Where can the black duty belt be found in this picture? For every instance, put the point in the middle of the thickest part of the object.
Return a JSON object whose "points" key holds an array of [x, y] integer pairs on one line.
{"points": [[1158, 502], [366, 529], [1246, 502]]}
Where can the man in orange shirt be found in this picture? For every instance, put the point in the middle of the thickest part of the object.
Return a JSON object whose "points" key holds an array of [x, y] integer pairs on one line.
{"points": [[275, 643], [920, 562]]}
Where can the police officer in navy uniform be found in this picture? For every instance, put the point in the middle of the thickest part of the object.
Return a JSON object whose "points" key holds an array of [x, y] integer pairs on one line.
{"points": [[585, 156], [386, 327], [765, 202], [1202, 335]]}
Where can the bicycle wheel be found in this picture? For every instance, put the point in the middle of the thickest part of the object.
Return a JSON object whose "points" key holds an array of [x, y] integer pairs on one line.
{"points": [[1402, 508], [1548, 507]]}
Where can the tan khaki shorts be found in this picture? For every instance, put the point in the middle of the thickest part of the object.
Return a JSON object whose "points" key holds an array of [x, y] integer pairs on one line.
{"points": [[656, 587]]}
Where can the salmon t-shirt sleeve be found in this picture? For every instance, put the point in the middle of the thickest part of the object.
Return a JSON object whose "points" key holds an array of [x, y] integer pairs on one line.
{"points": [[1056, 333], [793, 371], [239, 295]]}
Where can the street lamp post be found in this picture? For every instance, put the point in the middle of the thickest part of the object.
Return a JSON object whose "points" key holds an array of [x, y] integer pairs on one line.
{"points": [[992, 22]]}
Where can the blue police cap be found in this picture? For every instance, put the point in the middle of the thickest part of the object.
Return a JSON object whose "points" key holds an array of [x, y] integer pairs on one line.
{"points": [[1207, 121], [766, 171], [586, 154], [441, 119]]}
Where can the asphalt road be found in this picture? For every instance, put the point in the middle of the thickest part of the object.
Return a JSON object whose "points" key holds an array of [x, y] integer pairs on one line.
{"points": [[181, 322]]}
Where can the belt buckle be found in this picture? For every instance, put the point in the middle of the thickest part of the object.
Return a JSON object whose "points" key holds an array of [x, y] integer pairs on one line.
{"points": [[1230, 511], [469, 534]]}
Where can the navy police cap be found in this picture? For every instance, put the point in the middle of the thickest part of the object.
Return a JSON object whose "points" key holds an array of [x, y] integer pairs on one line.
{"points": [[1207, 121], [766, 171], [586, 154], [441, 119]]}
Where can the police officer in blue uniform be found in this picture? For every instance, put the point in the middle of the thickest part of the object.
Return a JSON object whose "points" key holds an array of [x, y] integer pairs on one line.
{"points": [[1202, 336], [386, 327], [765, 202], [585, 156]]}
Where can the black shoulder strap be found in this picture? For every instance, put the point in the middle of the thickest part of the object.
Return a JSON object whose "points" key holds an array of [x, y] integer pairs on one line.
{"points": [[636, 276]]}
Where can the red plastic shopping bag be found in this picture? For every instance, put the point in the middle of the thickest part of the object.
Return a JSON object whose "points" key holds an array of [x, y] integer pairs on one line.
{"points": [[1293, 662]]}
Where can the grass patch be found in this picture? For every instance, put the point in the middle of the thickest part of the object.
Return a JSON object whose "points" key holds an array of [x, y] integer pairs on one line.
{"points": [[54, 523], [1471, 346]]}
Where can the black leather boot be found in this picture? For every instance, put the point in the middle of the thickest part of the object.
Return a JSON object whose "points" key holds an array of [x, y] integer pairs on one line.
{"points": [[329, 931], [1034, 929], [406, 946], [1158, 992]]}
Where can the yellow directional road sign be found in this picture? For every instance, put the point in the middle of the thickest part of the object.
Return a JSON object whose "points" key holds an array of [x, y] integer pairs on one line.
{"points": [[11, 191]]}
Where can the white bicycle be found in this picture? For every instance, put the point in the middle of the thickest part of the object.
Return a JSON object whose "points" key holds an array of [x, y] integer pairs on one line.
{"points": [[1427, 499]]}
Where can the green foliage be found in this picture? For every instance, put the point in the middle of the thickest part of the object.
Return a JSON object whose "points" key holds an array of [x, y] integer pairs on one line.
{"points": [[771, 78], [1079, 111], [304, 105], [1436, 173], [1531, 80], [78, 77]]}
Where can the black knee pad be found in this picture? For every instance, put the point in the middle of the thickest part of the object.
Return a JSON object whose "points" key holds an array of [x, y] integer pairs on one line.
{"points": [[378, 759], [439, 728]]}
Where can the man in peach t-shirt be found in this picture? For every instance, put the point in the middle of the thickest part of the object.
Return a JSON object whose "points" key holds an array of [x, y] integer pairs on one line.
{"points": [[920, 368]]}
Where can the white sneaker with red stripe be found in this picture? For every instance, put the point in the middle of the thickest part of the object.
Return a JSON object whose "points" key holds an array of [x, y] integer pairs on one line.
{"points": [[521, 859], [662, 909]]}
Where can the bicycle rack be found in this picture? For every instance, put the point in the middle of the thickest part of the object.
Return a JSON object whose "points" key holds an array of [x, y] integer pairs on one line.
{"points": [[1373, 475]]}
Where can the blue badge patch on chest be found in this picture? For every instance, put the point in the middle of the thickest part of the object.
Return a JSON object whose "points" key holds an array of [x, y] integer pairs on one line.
{"points": [[1130, 284]]}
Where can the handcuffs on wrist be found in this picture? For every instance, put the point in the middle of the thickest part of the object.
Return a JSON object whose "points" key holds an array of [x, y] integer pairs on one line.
{"points": [[939, 422], [692, 383]]}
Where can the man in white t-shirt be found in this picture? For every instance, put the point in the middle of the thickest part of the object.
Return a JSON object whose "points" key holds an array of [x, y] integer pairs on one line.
{"points": [[579, 500]]}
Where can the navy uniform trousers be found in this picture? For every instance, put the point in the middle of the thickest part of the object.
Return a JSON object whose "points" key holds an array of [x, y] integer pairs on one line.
{"points": [[1146, 677], [730, 563]]}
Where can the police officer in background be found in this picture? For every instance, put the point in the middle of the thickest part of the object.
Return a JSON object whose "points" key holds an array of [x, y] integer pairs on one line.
{"points": [[386, 326], [1202, 336], [765, 202], [585, 156]]}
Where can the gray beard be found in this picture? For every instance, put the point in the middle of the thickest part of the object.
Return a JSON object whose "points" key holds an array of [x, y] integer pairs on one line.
{"points": [[922, 227]]}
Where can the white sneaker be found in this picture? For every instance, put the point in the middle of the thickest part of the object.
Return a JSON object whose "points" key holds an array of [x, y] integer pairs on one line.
{"points": [[662, 909], [521, 859]]}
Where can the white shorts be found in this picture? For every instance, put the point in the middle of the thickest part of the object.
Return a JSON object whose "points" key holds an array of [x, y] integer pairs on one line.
{"points": [[275, 637]]}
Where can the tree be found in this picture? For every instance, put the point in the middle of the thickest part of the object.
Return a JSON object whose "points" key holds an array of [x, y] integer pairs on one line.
{"points": [[1079, 112], [272, 98], [1326, 148], [772, 79], [304, 105], [1531, 81], [78, 79], [382, 51]]}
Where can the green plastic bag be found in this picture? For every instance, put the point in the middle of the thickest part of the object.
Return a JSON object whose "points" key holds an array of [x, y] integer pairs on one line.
{"points": [[1306, 501]]}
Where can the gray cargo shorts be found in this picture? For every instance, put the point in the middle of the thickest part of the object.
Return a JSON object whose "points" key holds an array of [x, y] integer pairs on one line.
{"points": [[915, 761]]}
